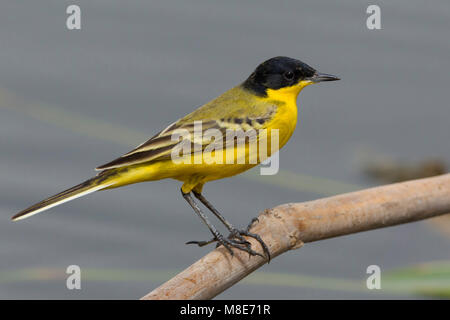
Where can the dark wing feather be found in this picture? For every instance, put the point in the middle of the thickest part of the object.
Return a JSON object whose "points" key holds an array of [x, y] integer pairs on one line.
{"points": [[158, 147]]}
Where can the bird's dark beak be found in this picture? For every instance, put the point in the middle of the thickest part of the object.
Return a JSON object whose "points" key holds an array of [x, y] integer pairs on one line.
{"points": [[321, 77]]}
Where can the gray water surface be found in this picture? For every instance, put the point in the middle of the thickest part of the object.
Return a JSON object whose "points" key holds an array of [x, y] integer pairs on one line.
{"points": [[141, 65]]}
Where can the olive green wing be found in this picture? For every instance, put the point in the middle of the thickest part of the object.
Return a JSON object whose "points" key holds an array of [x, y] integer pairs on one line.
{"points": [[160, 146], [230, 111]]}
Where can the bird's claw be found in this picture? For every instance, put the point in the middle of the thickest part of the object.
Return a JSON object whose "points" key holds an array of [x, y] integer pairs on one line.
{"points": [[257, 238], [250, 225], [236, 240], [201, 243]]}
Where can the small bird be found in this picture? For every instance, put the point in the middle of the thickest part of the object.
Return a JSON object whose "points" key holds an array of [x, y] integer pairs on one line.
{"points": [[266, 100]]}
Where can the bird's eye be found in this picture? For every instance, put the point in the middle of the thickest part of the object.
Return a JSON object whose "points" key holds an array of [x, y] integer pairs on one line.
{"points": [[289, 75]]}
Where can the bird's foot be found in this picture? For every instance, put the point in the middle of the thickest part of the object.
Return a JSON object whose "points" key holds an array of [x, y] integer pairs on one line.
{"points": [[236, 240], [230, 242], [240, 233]]}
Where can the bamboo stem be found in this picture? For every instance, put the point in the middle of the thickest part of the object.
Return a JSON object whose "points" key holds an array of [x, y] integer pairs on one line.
{"points": [[289, 226]]}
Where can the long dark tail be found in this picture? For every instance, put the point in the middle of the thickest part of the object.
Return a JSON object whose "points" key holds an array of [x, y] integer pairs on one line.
{"points": [[94, 184]]}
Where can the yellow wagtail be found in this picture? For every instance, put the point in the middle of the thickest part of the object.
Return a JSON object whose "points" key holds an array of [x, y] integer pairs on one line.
{"points": [[265, 101]]}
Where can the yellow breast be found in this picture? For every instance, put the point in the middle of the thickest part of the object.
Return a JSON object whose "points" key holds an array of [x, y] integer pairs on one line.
{"points": [[285, 119]]}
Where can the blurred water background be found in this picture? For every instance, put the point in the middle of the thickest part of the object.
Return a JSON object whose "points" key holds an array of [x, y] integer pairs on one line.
{"points": [[72, 100]]}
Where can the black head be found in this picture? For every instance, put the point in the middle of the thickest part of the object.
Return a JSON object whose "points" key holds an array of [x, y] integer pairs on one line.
{"points": [[282, 72]]}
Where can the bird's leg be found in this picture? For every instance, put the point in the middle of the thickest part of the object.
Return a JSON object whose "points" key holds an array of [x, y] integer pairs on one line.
{"points": [[227, 243], [216, 234], [219, 216], [234, 233]]}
